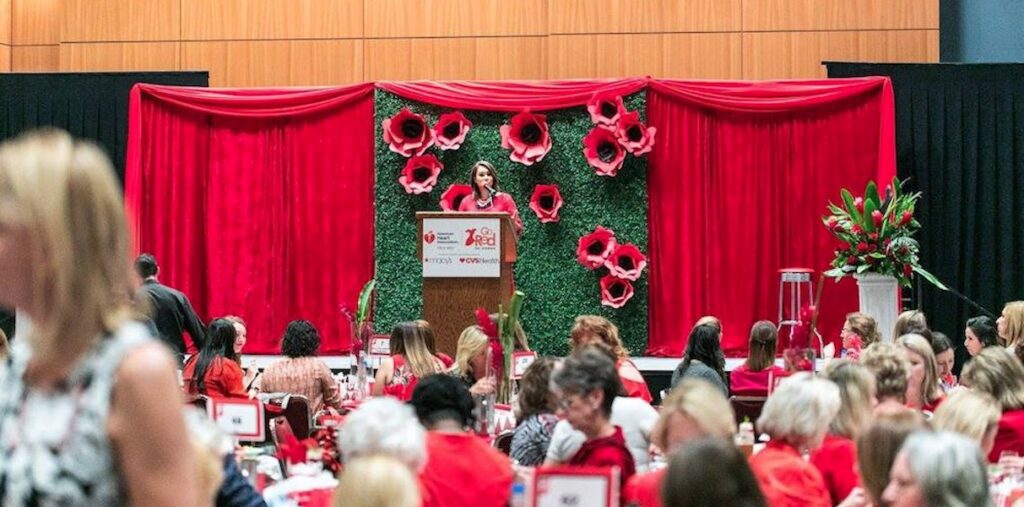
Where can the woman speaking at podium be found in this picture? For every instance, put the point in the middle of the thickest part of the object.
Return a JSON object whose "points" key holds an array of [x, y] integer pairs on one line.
{"points": [[487, 195]]}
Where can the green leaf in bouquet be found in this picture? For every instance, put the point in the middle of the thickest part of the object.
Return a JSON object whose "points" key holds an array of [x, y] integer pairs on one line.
{"points": [[877, 255], [896, 186], [363, 304], [871, 195], [836, 273], [848, 201], [869, 207], [863, 268], [930, 277]]}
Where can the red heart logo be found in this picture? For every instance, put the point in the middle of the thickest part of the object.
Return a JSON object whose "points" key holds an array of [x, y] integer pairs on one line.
{"points": [[429, 237]]}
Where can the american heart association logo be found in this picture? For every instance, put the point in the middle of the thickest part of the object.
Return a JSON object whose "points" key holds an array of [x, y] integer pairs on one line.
{"points": [[429, 237]]}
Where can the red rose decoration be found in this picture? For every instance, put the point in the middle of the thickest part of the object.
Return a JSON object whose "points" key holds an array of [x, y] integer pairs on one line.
{"points": [[527, 137], [603, 151], [636, 138], [545, 202], [605, 109], [450, 130], [626, 262], [615, 292], [452, 198], [407, 133], [420, 174], [595, 247]]}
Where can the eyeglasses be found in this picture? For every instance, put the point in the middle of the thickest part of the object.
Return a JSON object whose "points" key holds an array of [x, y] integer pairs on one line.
{"points": [[566, 401]]}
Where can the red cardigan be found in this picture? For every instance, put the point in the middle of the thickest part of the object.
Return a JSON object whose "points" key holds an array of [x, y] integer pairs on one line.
{"points": [[644, 490], [501, 202], [610, 451], [1010, 435], [837, 462], [223, 378], [786, 479]]}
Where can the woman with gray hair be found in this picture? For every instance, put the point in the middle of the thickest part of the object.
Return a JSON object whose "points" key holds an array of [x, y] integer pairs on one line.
{"points": [[384, 426], [796, 417], [938, 469]]}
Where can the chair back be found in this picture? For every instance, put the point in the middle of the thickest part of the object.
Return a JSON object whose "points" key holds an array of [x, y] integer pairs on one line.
{"points": [[747, 407], [296, 410], [504, 443], [199, 401]]}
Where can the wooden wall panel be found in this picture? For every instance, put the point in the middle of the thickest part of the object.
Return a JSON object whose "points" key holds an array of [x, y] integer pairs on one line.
{"points": [[456, 58], [271, 19], [455, 18], [35, 58], [5, 58], [633, 16], [705, 55], [119, 56], [276, 63], [120, 20], [35, 22], [782, 15], [6, 11]]}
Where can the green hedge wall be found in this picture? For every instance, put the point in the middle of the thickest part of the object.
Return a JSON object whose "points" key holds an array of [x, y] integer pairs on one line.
{"points": [[557, 288]]}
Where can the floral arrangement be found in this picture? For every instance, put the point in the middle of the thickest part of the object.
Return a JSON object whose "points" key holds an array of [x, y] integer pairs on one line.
{"points": [[501, 336], [875, 234], [625, 263], [616, 132], [409, 135]]}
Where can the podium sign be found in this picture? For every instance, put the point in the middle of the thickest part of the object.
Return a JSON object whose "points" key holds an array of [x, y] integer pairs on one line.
{"points": [[461, 247]]}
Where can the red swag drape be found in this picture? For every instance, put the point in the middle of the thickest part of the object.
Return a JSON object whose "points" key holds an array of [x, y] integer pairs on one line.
{"points": [[256, 203], [510, 95], [738, 182]]}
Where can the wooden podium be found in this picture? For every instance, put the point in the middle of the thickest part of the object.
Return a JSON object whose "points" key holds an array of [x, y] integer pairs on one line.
{"points": [[466, 261]]}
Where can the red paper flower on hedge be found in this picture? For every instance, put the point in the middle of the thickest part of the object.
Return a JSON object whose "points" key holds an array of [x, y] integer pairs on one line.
{"points": [[407, 133], [420, 174], [545, 202], [452, 198], [603, 151], [626, 261], [527, 136], [595, 247], [615, 292], [605, 109], [633, 135], [450, 130]]}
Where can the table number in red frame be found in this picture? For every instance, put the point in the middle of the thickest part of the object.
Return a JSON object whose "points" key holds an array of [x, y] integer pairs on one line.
{"points": [[576, 486], [241, 419]]}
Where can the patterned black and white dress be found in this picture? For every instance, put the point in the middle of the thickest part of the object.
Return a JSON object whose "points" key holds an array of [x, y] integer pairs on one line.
{"points": [[54, 446]]}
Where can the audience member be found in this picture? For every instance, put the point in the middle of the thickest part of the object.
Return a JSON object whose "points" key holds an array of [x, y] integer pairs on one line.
{"points": [[859, 326], [891, 368], [1010, 324], [701, 358], [973, 414], [757, 375], [998, 373], [430, 340], [711, 472], [472, 362], [980, 333], [717, 324], [214, 371], [301, 372], [945, 360], [911, 321], [796, 417], [536, 415], [462, 470], [877, 447], [599, 331], [171, 311], [377, 481], [88, 401], [241, 338], [384, 426], [923, 392], [836, 459], [934, 469], [410, 361]]}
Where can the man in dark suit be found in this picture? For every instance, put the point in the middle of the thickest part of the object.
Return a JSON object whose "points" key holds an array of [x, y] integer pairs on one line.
{"points": [[171, 311]]}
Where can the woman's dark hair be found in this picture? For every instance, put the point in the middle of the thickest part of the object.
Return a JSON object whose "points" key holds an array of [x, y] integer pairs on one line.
{"points": [[710, 472], [587, 370], [763, 340], [442, 397], [220, 343], [940, 342], [985, 329], [301, 339], [472, 177], [703, 346], [534, 390]]}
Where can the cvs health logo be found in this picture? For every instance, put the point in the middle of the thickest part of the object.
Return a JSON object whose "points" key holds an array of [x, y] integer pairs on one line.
{"points": [[429, 237], [485, 237]]}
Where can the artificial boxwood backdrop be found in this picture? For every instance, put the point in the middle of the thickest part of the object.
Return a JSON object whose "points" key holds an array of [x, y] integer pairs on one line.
{"points": [[557, 288]]}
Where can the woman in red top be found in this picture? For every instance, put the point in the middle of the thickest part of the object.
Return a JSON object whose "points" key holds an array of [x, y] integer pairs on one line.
{"points": [[757, 374], [796, 417], [836, 459], [487, 195], [599, 331], [410, 361], [923, 391], [214, 371], [997, 372]]}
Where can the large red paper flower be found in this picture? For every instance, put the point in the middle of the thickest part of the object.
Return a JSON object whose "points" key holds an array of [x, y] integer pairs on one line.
{"points": [[594, 248], [626, 261], [450, 130], [545, 202], [452, 198], [605, 109], [615, 292], [407, 133], [603, 151], [527, 136], [420, 174], [633, 135]]}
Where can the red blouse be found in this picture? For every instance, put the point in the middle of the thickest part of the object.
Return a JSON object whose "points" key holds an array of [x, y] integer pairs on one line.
{"points": [[1010, 435], [501, 202], [634, 388], [744, 382], [403, 380], [610, 451], [223, 378], [786, 479], [462, 470], [644, 490], [837, 462]]}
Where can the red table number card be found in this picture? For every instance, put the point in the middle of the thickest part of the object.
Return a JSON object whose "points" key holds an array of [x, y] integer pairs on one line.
{"points": [[241, 419], [380, 345], [576, 487], [522, 360]]}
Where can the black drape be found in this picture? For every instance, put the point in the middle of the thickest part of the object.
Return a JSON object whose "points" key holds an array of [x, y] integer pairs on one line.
{"points": [[960, 141], [88, 105]]}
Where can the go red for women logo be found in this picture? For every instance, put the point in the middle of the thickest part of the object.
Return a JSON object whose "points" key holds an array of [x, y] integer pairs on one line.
{"points": [[484, 238]]}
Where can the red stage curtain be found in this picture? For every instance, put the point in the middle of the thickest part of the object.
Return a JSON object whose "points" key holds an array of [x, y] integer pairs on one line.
{"points": [[510, 95], [738, 182], [257, 203]]}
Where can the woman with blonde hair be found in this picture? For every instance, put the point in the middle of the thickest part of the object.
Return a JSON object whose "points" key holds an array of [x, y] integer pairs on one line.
{"points": [[861, 326], [997, 372], [910, 321], [836, 459], [923, 391], [410, 361], [472, 362], [757, 375], [430, 340], [596, 330], [1010, 324], [82, 377], [973, 414], [891, 368], [377, 481]]}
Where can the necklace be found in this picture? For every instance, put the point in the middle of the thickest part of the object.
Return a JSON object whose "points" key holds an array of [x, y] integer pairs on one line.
{"points": [[480, 203]]}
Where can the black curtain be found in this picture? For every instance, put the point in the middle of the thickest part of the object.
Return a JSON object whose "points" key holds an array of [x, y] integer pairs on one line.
{"points": [[89, 105], [960, 141]]}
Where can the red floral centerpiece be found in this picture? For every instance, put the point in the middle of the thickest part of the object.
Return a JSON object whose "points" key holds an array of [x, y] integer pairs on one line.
{"points": [[527, 136], [407, 133]]}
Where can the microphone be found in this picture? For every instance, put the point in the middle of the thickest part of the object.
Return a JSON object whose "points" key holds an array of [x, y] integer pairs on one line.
{"points": [[491, 190]]}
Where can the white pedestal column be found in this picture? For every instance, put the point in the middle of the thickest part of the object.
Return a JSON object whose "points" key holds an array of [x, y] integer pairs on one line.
{"points": [[880, 299]]}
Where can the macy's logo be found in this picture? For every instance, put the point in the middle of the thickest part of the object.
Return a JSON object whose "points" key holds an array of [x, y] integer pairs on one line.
{"points": [[486, 237]]}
